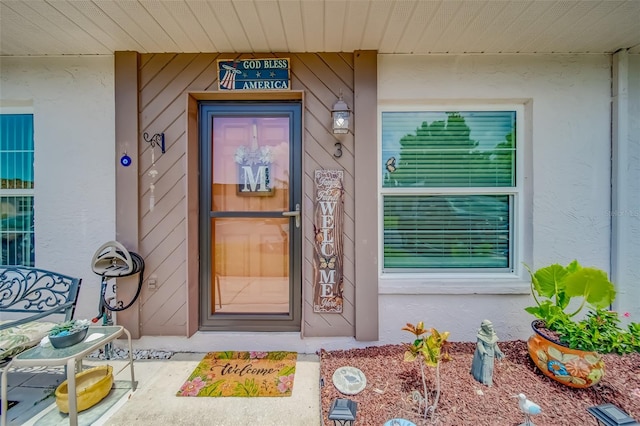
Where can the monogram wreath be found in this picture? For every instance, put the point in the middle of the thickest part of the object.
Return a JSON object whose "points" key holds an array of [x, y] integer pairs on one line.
{"points": [[261, 155]]}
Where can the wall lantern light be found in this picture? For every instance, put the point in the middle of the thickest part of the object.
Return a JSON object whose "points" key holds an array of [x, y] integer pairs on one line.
{"points": [[340, 114], [343, 412], [610, 415]]}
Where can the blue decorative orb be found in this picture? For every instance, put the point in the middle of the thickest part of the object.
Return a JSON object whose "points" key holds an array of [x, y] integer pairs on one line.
{"points": [[125, 160]]}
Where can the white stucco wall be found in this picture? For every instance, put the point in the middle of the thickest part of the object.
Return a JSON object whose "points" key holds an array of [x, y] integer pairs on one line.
{"points": [[73, 106], [567, 100]]}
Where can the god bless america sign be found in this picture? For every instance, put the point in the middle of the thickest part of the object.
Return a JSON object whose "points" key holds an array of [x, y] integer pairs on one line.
{"points": [[254, 74]]}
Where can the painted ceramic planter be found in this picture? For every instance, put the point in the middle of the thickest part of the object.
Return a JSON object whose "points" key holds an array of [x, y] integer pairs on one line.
{"points": [[573, 367]]}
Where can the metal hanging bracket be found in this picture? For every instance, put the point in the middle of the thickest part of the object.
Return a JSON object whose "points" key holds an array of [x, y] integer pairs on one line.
{"points": [[155, 140]]}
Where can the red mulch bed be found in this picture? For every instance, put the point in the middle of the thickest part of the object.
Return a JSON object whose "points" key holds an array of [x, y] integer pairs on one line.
{"points": [[464, 401]]}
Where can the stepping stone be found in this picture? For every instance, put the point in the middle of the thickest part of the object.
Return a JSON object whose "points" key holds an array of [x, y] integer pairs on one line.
{"points": [[349, 380]]}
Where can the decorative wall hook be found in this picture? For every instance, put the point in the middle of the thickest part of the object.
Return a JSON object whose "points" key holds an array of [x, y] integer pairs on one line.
{"points": [[157, 139]]}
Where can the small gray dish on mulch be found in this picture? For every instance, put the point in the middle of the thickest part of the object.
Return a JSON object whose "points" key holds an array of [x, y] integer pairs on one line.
{"points": [[464, 401]]}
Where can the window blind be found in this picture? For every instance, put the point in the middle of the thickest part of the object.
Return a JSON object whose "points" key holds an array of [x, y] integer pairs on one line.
{"points": [[453, 231], [16, 151], [434, 225], [442, 149], [16, 190]]}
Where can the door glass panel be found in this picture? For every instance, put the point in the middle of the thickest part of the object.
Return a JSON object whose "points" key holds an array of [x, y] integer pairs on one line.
{"points": [[249, 235], [250, 164], [251, 264]]}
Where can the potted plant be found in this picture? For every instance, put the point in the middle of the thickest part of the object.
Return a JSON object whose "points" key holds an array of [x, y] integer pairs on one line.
{"points": [[567, 344], [430, 348], [68, 333]]}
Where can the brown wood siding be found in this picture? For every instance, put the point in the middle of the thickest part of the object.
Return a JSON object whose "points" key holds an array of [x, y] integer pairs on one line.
{"points": [[127, 196], [322, 77], [367, 168], [165, 81]]}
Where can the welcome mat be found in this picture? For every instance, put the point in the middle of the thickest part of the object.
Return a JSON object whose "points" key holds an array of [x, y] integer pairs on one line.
{"points": [[242, 374]]}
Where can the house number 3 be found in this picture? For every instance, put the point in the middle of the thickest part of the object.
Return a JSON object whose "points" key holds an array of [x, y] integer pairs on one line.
{"points": [[338, 152]]}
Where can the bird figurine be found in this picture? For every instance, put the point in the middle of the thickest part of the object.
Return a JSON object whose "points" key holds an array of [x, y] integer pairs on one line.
{"points": [[529, 408]]}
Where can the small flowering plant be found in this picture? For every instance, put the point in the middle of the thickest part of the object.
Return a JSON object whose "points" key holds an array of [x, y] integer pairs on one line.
{"points": [[68, 327], [600, 332]]}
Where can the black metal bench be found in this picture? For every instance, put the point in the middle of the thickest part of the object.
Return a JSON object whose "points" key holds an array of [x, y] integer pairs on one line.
{"points": [[29, 295]]}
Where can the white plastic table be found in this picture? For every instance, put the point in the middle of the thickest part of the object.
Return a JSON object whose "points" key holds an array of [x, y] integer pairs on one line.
{"points": [[70, 357]]}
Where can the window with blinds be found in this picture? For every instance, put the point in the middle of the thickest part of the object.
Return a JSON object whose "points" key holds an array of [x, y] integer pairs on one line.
{"points": [[448, 190], [16, 190]]}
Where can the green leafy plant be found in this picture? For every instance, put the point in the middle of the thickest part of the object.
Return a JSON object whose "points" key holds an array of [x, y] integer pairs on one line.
{"points": [[555, 286], [430, 348], [68, 327]]}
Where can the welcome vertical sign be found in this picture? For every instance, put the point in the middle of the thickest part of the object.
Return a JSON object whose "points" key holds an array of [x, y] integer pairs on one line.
{"points": [[328, 251]]}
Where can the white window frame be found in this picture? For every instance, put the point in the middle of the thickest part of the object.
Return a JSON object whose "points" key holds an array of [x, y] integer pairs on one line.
{"points": [[512, 281]]}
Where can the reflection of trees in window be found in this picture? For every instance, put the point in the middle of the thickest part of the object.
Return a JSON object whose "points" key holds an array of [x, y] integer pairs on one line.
{"points": [[15, 183], [442, 154]]}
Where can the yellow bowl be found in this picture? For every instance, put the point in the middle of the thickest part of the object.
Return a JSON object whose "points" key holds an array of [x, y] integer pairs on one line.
{"points": [[91, 387]]}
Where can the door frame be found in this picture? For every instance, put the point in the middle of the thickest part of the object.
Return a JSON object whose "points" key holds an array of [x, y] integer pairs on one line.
{"points": [[192, 240], [248, 322]]}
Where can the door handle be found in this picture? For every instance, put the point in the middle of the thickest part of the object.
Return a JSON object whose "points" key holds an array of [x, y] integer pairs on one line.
{"points": [[295, 213]]}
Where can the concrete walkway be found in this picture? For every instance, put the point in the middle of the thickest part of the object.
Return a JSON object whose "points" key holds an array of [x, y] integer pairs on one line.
{"points": [[155, 402]]}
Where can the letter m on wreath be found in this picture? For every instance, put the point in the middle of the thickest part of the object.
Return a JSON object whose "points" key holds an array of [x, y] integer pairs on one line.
{"points": [[254, 179]]}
